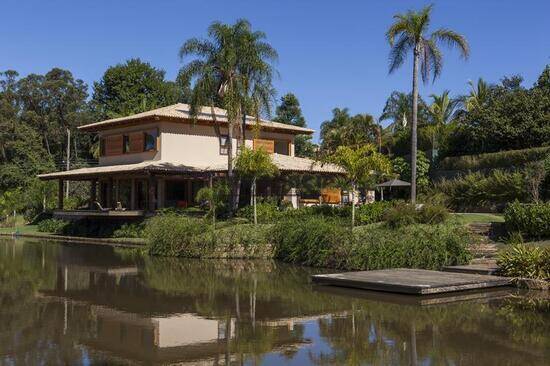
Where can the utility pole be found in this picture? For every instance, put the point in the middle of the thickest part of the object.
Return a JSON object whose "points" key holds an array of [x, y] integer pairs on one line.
{"points": [[68, 160]]}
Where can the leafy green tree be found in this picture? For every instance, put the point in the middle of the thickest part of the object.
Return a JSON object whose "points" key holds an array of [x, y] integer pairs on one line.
{"points": [[216, 197], [403, 167], [346, 130], [409, 33], [135, 87], [289, 112], [398, 110], [232, 69], [254, 165], [361, 163], [478, 96]]}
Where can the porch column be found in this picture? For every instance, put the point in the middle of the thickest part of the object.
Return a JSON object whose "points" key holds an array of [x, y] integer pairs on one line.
{"points": [[109, 198], [93, 190], [133, 194], [60, 194], [151, 190], [190, 198]]}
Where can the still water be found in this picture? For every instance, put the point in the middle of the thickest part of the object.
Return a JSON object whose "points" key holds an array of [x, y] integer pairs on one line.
{"points": [[91, 305]]}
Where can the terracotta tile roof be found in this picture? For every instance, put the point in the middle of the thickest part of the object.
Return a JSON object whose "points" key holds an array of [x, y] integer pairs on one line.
{"points": [[284, 163], [181, 111]]}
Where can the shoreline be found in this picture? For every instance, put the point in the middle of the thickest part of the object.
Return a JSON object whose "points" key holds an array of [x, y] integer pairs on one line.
{"points": [[117, 242]]}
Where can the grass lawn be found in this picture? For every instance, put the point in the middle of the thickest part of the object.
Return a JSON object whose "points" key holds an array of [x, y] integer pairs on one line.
{"points": [[468, 218]]}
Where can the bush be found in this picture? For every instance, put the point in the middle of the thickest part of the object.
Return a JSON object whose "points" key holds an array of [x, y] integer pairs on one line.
{"points": [[236, 241], [312, 240], [404, 214], [268, 212], [502, 159], [133, 230], [532, 220], [413, 246], [372, 212], [172, 235], [525, 261], [53, 226], [323, 242], [476, 190]]}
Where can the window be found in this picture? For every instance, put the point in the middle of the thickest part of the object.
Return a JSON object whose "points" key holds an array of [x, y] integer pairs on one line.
{"points": [[224, 142], [125, 144], [150, 140], [282, 147]]}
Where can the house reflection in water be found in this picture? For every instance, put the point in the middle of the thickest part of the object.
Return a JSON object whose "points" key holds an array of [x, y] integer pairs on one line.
{"points": [[134, 322]]}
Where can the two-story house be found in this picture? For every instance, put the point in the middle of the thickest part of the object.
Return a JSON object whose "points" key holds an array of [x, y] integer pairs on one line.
{"points": [[162, 157]]}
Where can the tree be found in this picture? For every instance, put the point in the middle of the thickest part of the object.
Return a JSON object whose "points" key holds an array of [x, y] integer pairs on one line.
{"points": [[216, 197], [290, 113], [398, 109], [360, 163], [345, 130], [402, 167], [254, 165], [478, 96], [410, 30], [442, 111], [135, 87], [232, 69]]}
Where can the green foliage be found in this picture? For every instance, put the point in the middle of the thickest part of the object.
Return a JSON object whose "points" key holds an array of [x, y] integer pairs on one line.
{"points": [[324, 242], [403, 168], [267, 212], [236, 241], [129, 230], [312, 240], [477, 190], [413, 246], [403, 214], [172, 235], [398, 109], [372, 212], [532, 220], [501, 159], [525, 261], [53, 226], [217, 198], [255, 164], [346, 130], [510, 117], [134, 87]]}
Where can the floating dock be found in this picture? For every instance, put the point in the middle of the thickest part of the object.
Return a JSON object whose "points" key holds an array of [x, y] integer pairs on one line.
{"points": [[411, 281], [483, 268]]}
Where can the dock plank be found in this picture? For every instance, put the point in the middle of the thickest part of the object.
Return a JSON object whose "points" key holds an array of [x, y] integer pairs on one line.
{"points": [[411, 281]]}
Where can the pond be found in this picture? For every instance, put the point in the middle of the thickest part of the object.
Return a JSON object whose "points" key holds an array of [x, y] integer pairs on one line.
{"points": [[90, 304]]}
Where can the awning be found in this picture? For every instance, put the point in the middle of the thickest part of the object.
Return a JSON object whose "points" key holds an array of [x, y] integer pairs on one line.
{"points": [[394, 183]]}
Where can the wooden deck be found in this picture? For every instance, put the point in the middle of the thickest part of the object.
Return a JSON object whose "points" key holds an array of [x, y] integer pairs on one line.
{"points": [[411, 281], [482, 268]]}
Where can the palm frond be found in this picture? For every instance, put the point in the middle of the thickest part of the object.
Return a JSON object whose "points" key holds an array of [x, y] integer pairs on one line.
{"points": [[452, 39]]}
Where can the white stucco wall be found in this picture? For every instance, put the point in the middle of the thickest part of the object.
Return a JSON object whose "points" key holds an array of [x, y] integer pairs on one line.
{"points": [[186, 143]]}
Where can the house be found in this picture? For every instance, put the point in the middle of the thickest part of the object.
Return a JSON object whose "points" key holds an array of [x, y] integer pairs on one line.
{"points": [[161, 158]]}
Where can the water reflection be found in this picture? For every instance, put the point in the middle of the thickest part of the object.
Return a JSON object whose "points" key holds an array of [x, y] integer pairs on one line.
{"points": [[67, 304]]}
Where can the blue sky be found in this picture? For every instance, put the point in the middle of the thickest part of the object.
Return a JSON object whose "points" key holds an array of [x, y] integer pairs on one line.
{"points": [[332, 53]]}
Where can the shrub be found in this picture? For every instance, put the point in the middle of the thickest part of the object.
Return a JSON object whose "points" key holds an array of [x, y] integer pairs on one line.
{"points": [[521, 260], [477, 190], [401, 215], [133, 230], [433, 214], [371, 213], [413, 246], [502, 159], [53, 226], [268, 212], [172, 235], [236, 241], [532, 220], [312, 240]]}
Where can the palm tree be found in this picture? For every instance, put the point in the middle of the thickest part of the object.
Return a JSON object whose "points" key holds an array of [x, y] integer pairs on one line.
{"points": [[479, 94], [409, 33], [442, 111], [232, 70]]}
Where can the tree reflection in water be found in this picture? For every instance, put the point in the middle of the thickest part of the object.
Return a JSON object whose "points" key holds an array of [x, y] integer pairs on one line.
{"points": [[66, 304]]}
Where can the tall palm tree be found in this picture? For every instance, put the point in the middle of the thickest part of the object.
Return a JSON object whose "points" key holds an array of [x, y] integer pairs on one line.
{"points": [[409, 32], [232, 69], [442, 111]]}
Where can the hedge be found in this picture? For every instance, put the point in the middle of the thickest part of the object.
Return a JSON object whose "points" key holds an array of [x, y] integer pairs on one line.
{"points": [[501, 159]]}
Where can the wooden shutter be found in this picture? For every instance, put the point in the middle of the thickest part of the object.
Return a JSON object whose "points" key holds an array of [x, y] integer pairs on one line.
{"points": [[136, 142], [267, 145], [113, 145], [331, 195]]}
